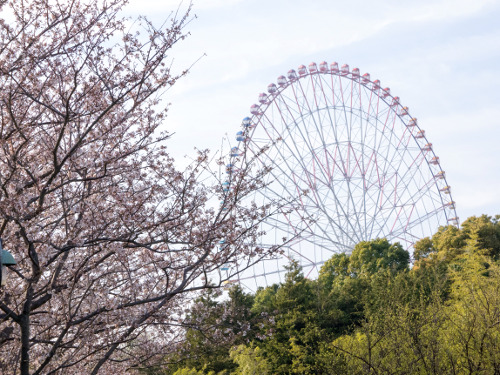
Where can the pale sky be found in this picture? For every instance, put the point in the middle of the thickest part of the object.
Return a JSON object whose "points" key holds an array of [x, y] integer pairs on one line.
{"points": [[441, 57]]}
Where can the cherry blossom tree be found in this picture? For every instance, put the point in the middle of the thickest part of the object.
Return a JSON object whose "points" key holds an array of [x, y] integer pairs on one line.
{"points": [[111, 239]]}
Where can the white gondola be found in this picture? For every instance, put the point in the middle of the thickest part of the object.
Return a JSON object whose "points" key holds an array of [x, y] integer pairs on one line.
{"points": [[434, 160], [255, 109], [334, 67], [440, 175], [263, 97], [247, 122], [445, 190], [235, 152], [271, 88], [355, 74], [323, 67], [344, 70], [420, 134], [302, 70], [240, 136], [292, 75], [451, 205], [427, 147], [281, 81], [413, 122], [404, 111], [313, 68]]}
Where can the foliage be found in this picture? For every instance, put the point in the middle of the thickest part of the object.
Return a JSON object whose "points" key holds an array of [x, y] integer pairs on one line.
{"points": [[213, 329], [477, 235], [370, 257], [368, 312], [483, 234], [471, 333], [249, 360], [457, 335], [188, 371]]}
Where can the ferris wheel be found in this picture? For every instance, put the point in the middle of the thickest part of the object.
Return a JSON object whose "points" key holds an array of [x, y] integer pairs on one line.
{"points": [[349, 159]]}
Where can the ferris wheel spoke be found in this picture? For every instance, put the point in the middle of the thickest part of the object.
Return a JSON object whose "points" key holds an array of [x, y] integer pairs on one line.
{"points": [[382, 173], [410, 173], [311, 151], [284, 186], [350, 121], [333, 221], [415, 222], [411, 196], [322, 94], [337, 228], [319, 132], [334, 123], [309, 235], [362, 159]]}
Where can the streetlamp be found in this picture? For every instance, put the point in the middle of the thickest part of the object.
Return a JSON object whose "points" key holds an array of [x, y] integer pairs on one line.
{"points": [[6, 259]]}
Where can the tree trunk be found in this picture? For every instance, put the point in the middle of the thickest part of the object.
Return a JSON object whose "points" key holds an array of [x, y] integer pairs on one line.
{"points": [[25, 333]]}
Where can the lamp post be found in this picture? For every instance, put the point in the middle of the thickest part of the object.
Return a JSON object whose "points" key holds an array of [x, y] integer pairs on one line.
{"points": [[6, 259]]}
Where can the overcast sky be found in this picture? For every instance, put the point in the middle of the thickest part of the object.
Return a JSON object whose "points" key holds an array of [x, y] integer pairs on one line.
{"points": [[442, 58]]}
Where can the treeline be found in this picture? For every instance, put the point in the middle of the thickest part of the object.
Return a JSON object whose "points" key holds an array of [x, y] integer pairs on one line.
{"points": [[374, 311]]}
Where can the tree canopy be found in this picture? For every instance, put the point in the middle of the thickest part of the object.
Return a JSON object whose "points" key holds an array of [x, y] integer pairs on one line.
{"points": [[370, 312]]}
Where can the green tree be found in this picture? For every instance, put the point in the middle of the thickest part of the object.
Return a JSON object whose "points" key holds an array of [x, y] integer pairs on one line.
{"points": [[265, 300], [289, 319], [370, 257], [310, 313], [478, 235], [397, 335], [471, 334], [338, 266], [188, 371], [412, 326], [345, 281], [250, 361], [483, 234], [214, 326], [296, 326]]}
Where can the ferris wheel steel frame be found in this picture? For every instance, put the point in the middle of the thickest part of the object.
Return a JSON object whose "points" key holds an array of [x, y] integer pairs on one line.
{"points": [[349, 157]]}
